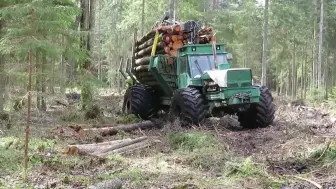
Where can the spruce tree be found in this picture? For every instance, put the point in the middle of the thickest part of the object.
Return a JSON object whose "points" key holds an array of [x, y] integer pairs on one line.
{"points": [[33, 33]]}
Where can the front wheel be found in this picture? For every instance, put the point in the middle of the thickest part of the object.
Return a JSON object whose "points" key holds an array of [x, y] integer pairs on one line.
{"points": [[188, 105], [139, 100], [259, 114]]}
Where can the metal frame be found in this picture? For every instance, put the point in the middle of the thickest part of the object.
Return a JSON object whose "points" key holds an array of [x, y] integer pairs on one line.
{"points": [[121, 67], [127, 70]]}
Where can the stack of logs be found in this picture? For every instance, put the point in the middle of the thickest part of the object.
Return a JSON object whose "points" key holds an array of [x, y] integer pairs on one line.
{"points": [[171, 38]]}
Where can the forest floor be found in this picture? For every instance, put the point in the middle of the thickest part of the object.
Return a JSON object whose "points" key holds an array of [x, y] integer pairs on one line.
{"points": [[297, 151]]}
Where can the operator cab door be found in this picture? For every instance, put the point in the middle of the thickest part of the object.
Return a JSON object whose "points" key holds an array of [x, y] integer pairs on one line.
{"points": [[183, 72]]}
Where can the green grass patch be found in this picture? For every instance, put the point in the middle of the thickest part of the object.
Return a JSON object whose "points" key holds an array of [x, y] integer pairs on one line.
{"points": [[199, 150], [72, 116], [325, 155], [12, 153], [239, 169], [192, 140], [11, 160], [115, 162], [135, 176]]}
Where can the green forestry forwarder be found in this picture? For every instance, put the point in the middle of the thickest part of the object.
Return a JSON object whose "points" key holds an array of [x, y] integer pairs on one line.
{"points": [[194, 82]]}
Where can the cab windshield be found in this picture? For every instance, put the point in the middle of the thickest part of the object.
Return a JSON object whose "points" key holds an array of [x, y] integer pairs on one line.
{"points": [[203, 63]]}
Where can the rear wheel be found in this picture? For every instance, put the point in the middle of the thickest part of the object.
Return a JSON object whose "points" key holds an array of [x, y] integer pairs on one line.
{"points": [[259, 114], [188, 105], [139, 100]]}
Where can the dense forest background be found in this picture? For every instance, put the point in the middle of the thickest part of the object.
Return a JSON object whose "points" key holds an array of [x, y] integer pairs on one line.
{"points": [[80, 43], [51, 48]]}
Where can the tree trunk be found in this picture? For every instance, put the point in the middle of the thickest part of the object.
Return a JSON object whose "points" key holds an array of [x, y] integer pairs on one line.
{"points": [[63, 68], [2, 83], [171, 9], [305, 74], [85, 26], [52, 83], [38, 80], [28, 111], [265, 45], [302, 80], [334, 70], [143, 18], [2, 75], [92, 24], [90, 148], [320, 49], [314, 46], [326, 75], [104, 149], [175, 9], [288, 83], [214, 4], [293, 72], [326, 83], [281, 84], [43, 81]]}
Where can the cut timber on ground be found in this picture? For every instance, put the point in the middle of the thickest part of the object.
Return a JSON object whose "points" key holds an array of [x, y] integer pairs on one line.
{"points": [[104, 129], [110, 130], [108, 148]]}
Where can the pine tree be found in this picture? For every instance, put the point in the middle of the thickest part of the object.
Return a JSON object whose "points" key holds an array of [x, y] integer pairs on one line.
{"points": [[32, 34]]}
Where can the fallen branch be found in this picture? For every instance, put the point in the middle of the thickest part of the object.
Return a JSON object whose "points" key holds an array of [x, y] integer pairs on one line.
{"points": [[310, 181], [324, 151], [110, 130], [61, 103]]}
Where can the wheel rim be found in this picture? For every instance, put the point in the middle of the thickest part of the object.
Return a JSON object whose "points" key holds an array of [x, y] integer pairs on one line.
{"points": [[128, 107]]}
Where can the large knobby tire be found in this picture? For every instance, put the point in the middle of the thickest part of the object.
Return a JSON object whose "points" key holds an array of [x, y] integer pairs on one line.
{"points": [[259, 114], [139, 100], [188, 105]]}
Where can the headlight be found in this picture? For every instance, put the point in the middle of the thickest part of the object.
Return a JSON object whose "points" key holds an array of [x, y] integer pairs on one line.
{"points": [[209, 83]]}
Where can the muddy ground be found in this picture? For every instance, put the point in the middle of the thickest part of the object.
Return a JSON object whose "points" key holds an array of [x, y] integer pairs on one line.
{"points": [[300, 144]]}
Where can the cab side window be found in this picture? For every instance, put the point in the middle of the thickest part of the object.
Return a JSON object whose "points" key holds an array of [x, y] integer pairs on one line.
{"points": [[183, 64]]}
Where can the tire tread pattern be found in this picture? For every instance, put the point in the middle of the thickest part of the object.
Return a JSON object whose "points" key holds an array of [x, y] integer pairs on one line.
{"points": [[260, 114], [142, 101], [192, 105]]}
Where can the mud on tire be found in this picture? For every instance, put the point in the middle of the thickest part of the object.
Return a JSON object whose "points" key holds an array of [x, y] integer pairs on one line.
{"points": [[139, 100], [259, 114], [188, 105]]}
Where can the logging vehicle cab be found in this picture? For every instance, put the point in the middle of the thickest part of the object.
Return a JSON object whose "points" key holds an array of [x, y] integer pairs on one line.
{"points": [[197, 83]]}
